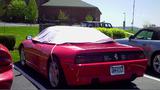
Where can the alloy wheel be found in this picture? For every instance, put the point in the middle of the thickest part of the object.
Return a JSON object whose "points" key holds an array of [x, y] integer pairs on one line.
{"points": [[53, 74], [156, 63]]}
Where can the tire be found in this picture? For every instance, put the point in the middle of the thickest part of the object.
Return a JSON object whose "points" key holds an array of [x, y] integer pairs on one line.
{"points": [[22, 57], [155, 64], [55, 74]]}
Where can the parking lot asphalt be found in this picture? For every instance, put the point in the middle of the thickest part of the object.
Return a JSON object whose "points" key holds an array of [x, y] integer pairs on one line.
{"points": [[27, 79], [20, 82]]}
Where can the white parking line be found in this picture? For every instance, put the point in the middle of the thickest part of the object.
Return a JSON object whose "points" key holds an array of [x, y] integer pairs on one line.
{"points": [[151, 77], [30, 79]]}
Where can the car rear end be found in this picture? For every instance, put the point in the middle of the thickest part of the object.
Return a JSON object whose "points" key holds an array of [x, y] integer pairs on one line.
{"points": [[106, 65], [6, 65]]}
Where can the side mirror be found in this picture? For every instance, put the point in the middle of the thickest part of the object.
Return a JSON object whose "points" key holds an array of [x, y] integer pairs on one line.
{"points": [[29, 37], [131, 37]]}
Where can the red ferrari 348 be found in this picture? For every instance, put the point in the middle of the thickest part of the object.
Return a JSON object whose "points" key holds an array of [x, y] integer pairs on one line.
{"points": [[6, 71], [70, 55]]}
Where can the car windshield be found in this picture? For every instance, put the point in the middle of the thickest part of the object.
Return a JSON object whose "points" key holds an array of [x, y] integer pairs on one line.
{"points": [[68, 34]]}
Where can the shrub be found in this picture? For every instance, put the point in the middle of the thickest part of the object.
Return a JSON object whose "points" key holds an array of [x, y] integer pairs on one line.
{"points": [[89, 18], [128, 34], [62, 16], [31, 12], [106, 32], [132, 31], [8, 41], [114, 32], [118, 33], [2, 8]]}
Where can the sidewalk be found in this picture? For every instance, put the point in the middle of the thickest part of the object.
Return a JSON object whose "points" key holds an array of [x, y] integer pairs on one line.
{"points": [[16, 24]]}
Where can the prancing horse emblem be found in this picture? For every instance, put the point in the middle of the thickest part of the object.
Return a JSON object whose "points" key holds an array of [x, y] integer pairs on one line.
{"points": [[116, 56]]}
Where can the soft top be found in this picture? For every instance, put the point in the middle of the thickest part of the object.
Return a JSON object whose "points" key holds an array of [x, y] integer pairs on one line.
{"points": [[71, 34]]}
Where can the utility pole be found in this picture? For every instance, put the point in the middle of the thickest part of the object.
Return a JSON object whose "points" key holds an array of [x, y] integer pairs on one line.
{"points": [[133, 14], [124, 22]]}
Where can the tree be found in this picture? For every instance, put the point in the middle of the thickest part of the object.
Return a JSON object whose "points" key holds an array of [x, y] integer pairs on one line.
{"points": [[2, 7], [147, 24], [31, 14], [89, 18], [62, 16], [16, 10]]}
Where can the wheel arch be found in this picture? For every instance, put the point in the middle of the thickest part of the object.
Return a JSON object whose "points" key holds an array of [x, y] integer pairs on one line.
{"points": [[61, 68], [49, 60]]}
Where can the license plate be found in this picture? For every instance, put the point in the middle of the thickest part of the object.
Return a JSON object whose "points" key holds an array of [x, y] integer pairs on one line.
{"points": [[117, 70]]}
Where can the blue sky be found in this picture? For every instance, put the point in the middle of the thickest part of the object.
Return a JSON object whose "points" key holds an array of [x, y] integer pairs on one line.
{"points": [[146, 11]]}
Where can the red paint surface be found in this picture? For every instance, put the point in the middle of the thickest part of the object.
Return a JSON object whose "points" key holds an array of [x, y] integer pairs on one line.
{"points": [[37, 55], [6, 71]]}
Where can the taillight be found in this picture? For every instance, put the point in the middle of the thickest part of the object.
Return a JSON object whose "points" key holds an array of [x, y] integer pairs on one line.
{"points": [[141, 56], [5, 59], [80, 59], [132, 55], [109, 56], [5, 64]]}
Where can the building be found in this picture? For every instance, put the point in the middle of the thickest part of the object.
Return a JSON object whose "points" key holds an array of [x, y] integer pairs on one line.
{"points": [[75, 10], [39, 2]]}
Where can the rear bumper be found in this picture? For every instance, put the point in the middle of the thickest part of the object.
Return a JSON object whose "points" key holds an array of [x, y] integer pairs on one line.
{"points": [[84, 74], [6, 79]]}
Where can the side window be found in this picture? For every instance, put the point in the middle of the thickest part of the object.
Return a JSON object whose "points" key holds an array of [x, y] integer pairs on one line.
{"points": [[90, 25], [144, 35], [106, 25], [84, 24], [149, 35]]}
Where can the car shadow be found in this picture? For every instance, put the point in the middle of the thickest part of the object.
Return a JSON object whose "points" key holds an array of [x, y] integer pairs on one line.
{"points": [[33, 74], [45, 83], [113, 85], [150, 72]]}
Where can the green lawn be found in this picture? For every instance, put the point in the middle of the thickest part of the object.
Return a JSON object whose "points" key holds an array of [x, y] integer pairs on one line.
{"points": [[20, 32]]}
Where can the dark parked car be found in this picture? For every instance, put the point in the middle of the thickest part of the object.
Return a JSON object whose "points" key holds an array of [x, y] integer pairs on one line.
{"points": [[96, 24], [149, 40]]}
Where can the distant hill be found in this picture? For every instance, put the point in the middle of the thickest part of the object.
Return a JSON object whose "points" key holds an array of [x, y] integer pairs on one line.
{"points": [[129, 28]]}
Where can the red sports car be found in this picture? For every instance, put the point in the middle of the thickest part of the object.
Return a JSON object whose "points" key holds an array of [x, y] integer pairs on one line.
{"points": [[70, 55], [6, 71]]}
